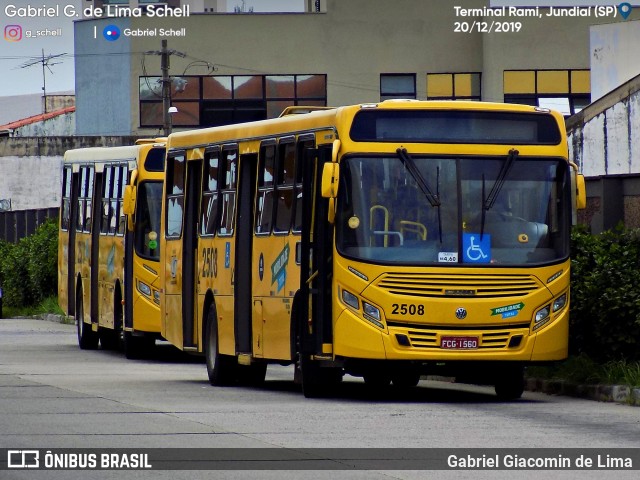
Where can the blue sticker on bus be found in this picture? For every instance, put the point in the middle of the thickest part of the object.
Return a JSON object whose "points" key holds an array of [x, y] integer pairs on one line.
{"points": [[476, 248], [227, 255]]}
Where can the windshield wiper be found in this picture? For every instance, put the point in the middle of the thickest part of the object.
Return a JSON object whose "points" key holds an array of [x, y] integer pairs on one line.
{"points": [[434, 199], [490, 199]]}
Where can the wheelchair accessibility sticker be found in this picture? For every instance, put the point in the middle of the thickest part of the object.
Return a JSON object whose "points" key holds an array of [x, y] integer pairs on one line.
{"points": [[476, 248]]}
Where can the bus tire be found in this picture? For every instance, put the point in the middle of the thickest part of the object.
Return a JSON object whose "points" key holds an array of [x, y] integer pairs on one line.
{"points": [[510, 383], [221, 369], [317, 381], [87, 338]]}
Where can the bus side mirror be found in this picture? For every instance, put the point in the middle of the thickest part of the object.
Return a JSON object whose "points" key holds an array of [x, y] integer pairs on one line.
{"points": [[330, 179], [129, 204], [581, 192], [579, 189]]}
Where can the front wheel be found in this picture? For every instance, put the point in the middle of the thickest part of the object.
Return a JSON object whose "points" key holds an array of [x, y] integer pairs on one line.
{"points": [[222, 369], [510, 383], [317, 381]]}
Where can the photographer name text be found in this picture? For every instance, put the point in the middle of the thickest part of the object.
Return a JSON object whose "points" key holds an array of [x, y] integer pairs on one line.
{"points": [[107, 11]]}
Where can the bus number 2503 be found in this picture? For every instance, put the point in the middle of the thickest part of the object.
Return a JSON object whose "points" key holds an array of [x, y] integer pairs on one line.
{"points": [[407, 309]]}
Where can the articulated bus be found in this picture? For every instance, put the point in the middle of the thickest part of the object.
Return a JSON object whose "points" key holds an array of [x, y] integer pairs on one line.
{"points": [[384, 241], [108, 258]]}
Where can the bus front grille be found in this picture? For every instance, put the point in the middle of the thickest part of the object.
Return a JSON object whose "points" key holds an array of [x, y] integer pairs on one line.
{"points": [[489, 337], [457, 285]]}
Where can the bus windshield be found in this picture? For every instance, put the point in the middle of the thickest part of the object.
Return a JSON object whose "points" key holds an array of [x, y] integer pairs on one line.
{"points": [[385, 215], [149, 199]]}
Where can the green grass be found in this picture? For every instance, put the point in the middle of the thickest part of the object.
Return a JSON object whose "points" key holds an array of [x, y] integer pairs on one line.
{"points": [[48, 305], [581, 369]]}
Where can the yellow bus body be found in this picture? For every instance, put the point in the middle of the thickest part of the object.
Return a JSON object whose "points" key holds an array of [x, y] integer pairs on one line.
{"points": [[93, 280], [501, 323]]}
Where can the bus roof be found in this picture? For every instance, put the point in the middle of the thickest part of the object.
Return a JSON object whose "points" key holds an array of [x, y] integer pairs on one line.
{"points": [[304, 119], [105, 154]]}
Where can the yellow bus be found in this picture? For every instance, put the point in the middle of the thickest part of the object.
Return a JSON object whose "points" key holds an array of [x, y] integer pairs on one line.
{"points": [[382, 240], [108, 257]]}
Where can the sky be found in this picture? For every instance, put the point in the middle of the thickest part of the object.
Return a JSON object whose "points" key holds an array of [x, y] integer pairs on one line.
{"points": [[20, 46]]}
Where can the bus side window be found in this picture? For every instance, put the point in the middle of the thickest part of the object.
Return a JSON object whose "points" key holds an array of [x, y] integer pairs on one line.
{"points": [[228, 192], [107, 188], [266, 181], [285, 179], [303, 144], [210, 194], [118, 194], [65, 215], [175, 195], [83, 223]]}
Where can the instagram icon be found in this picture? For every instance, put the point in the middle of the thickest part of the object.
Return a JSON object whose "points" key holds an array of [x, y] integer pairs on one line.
{"points": [[13, 33]]}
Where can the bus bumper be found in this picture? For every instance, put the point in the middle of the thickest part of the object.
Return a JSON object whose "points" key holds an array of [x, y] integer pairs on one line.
{"points": [[356, 338]]}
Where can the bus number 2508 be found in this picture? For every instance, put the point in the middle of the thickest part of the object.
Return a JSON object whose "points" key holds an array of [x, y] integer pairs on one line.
{"points": [[407, 309]]}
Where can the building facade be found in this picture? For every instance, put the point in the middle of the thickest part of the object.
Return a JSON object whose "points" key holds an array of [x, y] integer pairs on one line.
{"points": [[227, 68]]}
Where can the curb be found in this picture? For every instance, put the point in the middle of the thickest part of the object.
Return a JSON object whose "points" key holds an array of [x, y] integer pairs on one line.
{"points": [[622, 394]]}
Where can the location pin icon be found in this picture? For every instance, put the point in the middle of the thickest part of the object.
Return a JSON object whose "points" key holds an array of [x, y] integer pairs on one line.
{"points": [[624, 9]]}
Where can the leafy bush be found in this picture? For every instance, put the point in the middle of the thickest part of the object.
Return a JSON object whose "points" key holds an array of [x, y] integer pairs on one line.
{"points": [[605, 295], [29, 269]]}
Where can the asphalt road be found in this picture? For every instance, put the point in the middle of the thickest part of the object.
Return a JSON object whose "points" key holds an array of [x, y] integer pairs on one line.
{"points": [[55, 396]]}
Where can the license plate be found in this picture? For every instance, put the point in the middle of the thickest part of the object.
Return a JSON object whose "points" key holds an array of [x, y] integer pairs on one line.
{"points": [[459, 343]]}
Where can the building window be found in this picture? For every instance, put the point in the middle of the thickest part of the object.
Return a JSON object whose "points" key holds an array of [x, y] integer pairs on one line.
{"points": [[397, 85], [454, 86], [567, 91], [209, 101]]}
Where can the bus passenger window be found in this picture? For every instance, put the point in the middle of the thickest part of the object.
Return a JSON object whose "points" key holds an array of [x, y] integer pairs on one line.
{"points": [[228, 208], [264, 199], [284, 187], [297, 191], [175, 195], [210, 202]]}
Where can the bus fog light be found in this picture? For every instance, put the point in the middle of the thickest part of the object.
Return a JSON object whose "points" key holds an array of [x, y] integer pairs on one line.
{"points": [[156, 296], [350, 299], [144, 289], [543, 313], [560, 302]]}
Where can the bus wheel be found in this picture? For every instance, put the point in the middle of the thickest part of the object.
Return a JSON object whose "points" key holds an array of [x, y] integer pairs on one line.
{"points": [[87, 338], [109, 339], [318, 381], [222, 369], [510, 383]]}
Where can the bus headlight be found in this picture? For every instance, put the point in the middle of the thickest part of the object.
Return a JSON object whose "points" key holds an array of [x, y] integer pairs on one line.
{"points": [[156, 296], [559, 302], [542, 316], [350, 299], [543, 313], [144, 288], [372, 314]]}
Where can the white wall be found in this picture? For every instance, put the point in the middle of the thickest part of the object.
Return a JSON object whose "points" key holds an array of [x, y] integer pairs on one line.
{"points": [[614, 56], [31, 182]]}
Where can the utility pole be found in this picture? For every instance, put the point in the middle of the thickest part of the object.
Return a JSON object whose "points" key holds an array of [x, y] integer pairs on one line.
{"points": [[165, 54], [166, 88]]}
